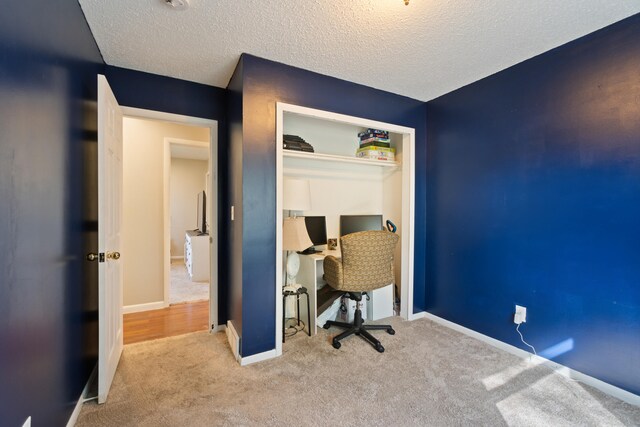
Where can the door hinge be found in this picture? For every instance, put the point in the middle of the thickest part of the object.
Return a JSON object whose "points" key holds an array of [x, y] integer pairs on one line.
{"points": [[213, 326], [101, 257]]}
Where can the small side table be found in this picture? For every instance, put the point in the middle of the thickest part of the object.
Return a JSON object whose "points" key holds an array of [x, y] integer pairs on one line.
{"points": [[296, 293]]}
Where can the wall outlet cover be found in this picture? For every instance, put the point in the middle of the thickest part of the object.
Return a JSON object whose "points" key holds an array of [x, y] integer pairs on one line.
{"points": [[521, 315]]}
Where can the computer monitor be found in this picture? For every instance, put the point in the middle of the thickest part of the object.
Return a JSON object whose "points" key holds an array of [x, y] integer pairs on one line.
{"points": [[354, 223], [317, 229]]}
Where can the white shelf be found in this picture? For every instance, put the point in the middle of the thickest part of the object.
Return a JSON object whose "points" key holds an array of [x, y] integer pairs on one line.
{"points": [[338, 159]]}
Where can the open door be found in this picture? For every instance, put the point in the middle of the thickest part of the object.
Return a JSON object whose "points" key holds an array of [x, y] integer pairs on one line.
{"points": [[110, 340]]}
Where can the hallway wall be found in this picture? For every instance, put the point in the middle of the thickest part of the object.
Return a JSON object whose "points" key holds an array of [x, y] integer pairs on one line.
{"points": [[143, 205], [186, 180]]}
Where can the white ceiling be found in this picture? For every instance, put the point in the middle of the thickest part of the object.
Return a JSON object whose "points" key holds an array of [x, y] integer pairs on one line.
{"points": [[422, 50]]}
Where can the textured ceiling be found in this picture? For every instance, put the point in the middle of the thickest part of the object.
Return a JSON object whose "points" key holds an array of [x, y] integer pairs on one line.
{"points": [[422, 50]]}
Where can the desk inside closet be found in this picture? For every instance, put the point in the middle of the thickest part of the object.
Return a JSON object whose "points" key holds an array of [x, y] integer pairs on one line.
{"points": [[342, 184], [322, 296]]}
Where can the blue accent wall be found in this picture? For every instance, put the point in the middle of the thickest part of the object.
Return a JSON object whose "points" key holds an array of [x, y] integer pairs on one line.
{"points": [[169, 95], [265, 83], [48, 302], [533, 195]]}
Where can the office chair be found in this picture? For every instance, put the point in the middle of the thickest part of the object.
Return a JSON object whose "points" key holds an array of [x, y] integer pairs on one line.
{"points": [[367, 264]]}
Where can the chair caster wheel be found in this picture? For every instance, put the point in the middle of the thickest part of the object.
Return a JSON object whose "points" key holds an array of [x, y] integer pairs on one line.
{"points": [[380, 348], [390, 331], [326, 326], [336, 345]]}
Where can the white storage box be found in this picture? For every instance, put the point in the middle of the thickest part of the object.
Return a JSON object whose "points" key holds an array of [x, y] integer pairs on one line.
{"points": [[381, 304], [348, 309], [331, 313]]}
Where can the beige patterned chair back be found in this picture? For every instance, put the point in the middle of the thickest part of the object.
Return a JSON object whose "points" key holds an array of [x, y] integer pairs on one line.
{"points": [[367, 262]]}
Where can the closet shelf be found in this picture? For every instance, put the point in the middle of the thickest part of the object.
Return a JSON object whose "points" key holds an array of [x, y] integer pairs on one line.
{"points": [[338, 159]]}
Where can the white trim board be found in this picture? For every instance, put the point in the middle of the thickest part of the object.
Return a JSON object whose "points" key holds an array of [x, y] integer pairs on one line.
{"points": [[76, 410], [255, 358], [234, 344], [416, 316], [233, 339], [167, 117], [221, 328], [565, 371], [136, 308]]}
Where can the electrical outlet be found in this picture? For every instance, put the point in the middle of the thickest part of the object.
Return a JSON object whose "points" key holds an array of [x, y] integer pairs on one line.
{"points": [[521, 315]]}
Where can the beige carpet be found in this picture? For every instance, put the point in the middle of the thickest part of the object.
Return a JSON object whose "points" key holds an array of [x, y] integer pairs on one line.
{"points": [[429, 375], [182, 289]]}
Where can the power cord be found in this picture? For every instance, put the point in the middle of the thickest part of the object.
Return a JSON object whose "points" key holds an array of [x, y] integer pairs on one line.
{"points": [[294, 329], [568, 376], [522, 339]]}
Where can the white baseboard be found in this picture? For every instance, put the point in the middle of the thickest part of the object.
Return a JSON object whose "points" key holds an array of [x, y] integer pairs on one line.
{"points": [[233, 339], [255, 358], [135, 308], [565, 371], [219, 328], [76, 411], [416, 316]]}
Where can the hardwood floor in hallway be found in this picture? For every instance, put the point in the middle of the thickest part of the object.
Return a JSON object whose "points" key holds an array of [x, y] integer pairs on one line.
{"points": [[166, 322]]}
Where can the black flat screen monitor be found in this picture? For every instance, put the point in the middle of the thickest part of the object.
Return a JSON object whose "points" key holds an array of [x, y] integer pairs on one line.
{"points": [[354, 223], [317, 229], [202, 213]]}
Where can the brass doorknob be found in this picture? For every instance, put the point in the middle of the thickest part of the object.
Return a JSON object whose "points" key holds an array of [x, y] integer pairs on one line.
{"points": [[92, 257], [113, 255]]}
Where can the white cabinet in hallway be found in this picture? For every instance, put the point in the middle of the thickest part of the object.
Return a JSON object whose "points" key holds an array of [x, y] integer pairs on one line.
{"points": [[196, 255]]}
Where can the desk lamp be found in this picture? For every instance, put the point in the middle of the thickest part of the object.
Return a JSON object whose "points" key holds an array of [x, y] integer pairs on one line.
{"points": [[294, 238], [296, 197]]}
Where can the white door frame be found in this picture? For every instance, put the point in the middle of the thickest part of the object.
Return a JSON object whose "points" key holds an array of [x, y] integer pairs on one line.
{"points": [[212, 202], [166, 169]]}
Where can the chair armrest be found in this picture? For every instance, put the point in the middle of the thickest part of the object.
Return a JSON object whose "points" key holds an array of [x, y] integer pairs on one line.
{"points": [[333, 271]]}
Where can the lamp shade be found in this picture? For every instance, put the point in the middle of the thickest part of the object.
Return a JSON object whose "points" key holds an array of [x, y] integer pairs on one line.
{"points": [[296, 195], [294, 235]]}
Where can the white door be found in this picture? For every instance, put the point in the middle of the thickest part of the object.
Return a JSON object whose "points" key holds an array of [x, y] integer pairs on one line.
{"points": [[109, 235]]}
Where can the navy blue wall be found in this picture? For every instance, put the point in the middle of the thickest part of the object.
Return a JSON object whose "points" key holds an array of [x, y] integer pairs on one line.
{"points": [[159, 93], [534, 199], [234, 189], [265, 83], [48, 303]]}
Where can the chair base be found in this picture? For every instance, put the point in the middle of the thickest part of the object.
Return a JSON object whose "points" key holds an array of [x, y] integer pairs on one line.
{"points": [[358, 328]]}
